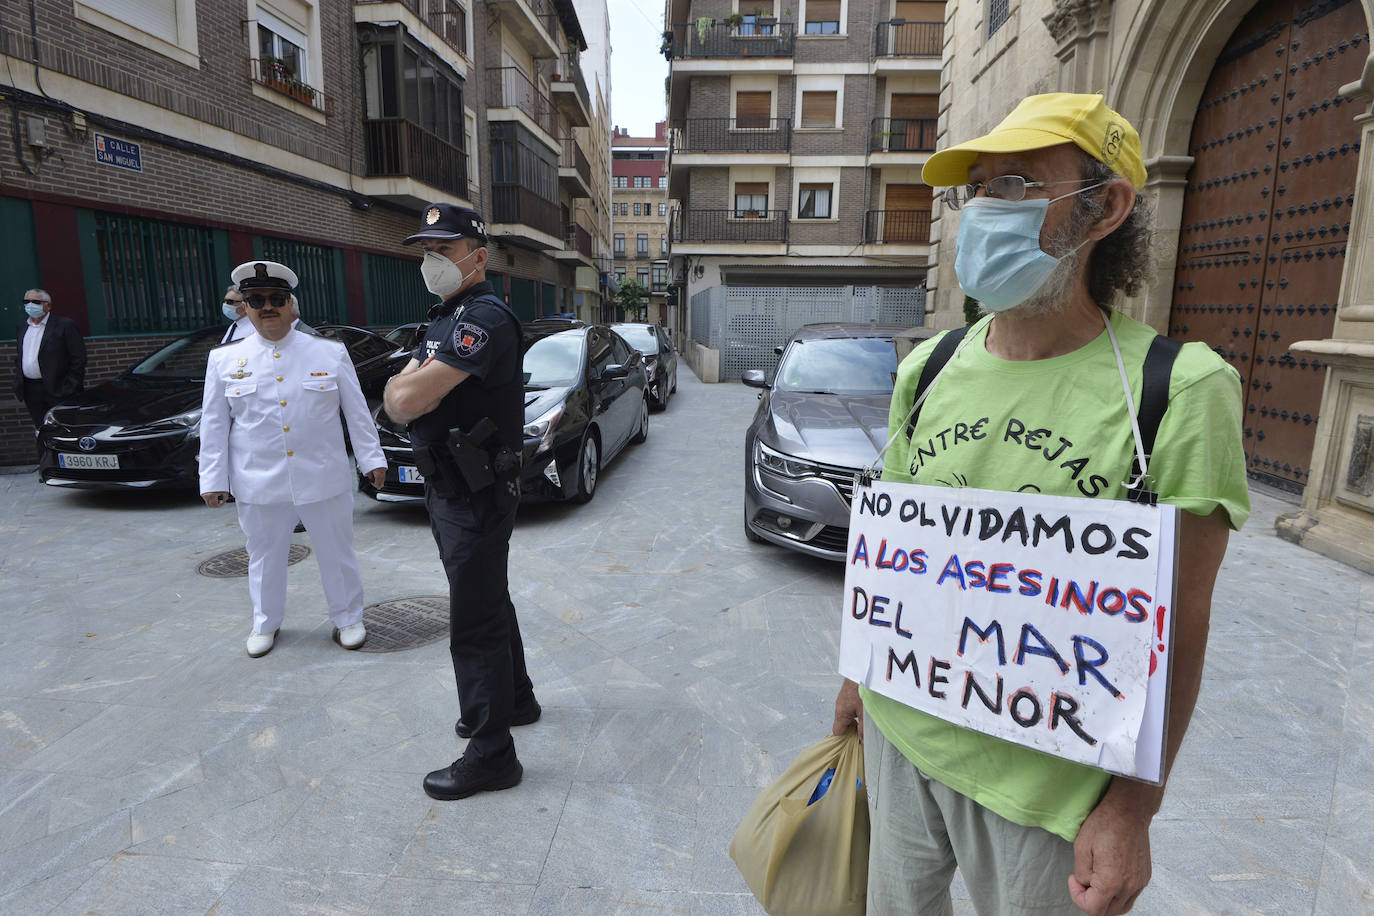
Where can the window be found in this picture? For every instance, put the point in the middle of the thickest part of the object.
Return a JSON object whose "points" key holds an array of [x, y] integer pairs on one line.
{"points": [[663, 245], [663, 181], [818, 109], [168, 27], [660, 277], [662, 209], [998, 13], [751, 199], [642, 181], [753, 110], [620, 274], [156, 276], [642, 243], [759, 21], [620, 181], [422, 89], [281, 49], [814, 201], [620, 243], [642, 275], [637, 209], [823, 17]]}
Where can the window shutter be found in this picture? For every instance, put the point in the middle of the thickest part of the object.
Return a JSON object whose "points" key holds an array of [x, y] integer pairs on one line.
{"points": [[822, 10], [818, 109], [753, 109]]}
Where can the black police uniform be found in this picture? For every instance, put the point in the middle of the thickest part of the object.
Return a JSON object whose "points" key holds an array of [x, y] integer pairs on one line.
{"points": [[474, 331]]}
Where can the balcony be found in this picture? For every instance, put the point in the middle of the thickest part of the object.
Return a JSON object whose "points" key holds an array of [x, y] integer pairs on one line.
{"points": [[509, 90], [275, 74], [720, 39], [903, 135], [730, 226], [444, 18], [569, 90], [397, 148], [574, 169], [518, 206], [741, 135], [577, 244], [903, 38], [531, 21], [887, 227]]}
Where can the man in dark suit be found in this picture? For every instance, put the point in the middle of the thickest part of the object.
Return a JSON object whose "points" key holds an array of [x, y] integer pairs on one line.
{"points": [[50, 359]]}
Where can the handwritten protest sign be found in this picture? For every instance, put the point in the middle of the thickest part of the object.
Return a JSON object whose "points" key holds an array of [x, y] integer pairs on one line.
{"points": [[1042, 620]]}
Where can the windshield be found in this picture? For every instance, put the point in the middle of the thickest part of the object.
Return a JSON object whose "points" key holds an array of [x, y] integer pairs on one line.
{"points": [[640, 337], [851, 366], [184, 357], [554, 361]]}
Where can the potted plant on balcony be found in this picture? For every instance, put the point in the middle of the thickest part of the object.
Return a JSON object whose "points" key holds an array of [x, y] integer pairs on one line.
{"points": [[666, 47], [735, 20], [275, 72], [703, 23]]}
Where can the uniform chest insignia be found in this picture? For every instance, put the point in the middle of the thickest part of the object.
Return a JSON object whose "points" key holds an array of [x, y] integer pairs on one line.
{"points": [[242, 373], [243, 360], [468, 339], [319, 373]]}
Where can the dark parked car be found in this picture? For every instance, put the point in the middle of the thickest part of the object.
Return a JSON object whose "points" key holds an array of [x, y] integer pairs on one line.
{"points": [[660, 358], [585, 400], [408, 336], [142, 428], [822, 419]]}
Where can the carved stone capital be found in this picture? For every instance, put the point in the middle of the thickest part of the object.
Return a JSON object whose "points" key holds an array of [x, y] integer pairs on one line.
{"points": [[1071, 17]]}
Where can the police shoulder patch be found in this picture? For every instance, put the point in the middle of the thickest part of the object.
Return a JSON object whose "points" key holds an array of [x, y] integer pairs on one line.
{"points": [[468, 339]]}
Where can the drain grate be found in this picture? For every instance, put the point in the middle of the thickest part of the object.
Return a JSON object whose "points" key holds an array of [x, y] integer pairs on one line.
{"points": [[233, 563], [405, 623]]}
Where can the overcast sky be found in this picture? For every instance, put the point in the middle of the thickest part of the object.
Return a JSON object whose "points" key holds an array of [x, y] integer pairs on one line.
{"points": [[637, 68]]}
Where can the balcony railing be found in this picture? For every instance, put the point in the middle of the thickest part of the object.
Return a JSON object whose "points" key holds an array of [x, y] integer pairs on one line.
{"points": [[445, 18], [889, 226], [730, 226], [578, 239], [904, 38], [720, 39], [574, 158], [752, 135], [507, 87], [516, 204], [569, 71], [903, 135], [396, 147], [276, 75]]}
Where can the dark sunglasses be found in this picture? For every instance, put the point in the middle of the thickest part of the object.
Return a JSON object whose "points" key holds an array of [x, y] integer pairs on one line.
{"points": [[277, 300], [34, 302]]}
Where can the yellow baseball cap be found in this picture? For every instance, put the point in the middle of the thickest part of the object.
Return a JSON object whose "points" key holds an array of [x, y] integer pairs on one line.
{"points": [[1048, 120]]}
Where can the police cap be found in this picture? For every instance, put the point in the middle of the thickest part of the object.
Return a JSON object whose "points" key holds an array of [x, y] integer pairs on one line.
{"points": [[445, 221], [264, 275]]}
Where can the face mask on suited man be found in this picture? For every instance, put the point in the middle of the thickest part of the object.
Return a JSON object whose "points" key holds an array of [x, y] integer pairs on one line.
{"points": [[33, 311], [443, 278], [229, 311], [998, 258]]}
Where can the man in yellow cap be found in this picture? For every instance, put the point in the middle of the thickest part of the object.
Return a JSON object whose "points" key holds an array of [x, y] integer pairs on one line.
{"points": [[1051, 232]]}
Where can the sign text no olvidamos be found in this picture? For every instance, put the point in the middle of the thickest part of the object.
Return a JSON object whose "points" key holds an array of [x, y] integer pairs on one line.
{"points": [[1043, 620]]}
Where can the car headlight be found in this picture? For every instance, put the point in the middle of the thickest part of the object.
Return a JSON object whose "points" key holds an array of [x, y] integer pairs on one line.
{"points": [[543, 428], [779, 463], [190, 419]]}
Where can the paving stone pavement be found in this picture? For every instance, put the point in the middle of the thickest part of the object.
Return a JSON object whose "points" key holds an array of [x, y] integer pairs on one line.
{"points": [[147, 765]]}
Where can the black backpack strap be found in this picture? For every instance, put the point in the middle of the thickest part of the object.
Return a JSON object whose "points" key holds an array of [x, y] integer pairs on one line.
{"points": [[1154, 394], [944, 349]]}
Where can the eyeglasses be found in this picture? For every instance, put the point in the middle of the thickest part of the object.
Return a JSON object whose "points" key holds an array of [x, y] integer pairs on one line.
{"points": [[233, 302], [1003, 187], [277, 300], [34, 302]]}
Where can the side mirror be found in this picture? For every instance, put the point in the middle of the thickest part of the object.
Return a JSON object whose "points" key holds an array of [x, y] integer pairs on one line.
{"points": [[777, 351], [754, 378], [614, 371]]}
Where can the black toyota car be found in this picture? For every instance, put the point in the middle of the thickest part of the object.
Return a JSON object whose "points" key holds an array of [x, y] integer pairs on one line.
{"points": [[660, 358], [141, 429], [585, 400]]}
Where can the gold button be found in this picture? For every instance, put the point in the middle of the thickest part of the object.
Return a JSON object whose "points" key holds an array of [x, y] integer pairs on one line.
{"points": [[286, 429], [283, 403], [279, 378], [276, 356], [289, 454]]}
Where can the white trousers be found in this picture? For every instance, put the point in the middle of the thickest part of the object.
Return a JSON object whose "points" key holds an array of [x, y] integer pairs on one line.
{"points": [[268, 526]]}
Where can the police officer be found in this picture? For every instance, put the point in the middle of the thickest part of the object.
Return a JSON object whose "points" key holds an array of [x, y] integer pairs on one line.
{"points": [[270, 434], [463, 397]]}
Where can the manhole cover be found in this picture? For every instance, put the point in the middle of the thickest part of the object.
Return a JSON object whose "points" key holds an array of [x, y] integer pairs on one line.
{"points": [[233, 563], [405, 623]]}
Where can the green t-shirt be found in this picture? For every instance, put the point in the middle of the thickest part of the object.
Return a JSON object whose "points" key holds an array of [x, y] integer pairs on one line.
{"points": [[1054, 426]]}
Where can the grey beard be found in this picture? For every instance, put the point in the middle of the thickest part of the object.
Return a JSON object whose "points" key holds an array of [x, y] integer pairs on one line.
{"points": [[1053, 294]]}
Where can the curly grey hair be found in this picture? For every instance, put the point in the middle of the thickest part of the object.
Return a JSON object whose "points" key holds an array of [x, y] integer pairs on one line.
{"points": [[1123, 261]]}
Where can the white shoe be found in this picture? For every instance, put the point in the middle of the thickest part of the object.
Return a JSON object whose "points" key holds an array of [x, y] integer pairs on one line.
{"points": [[351, 636], [259, 644]]}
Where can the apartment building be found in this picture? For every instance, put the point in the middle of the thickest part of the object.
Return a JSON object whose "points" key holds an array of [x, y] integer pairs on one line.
{"points": [[798, 129], [639, 204], [149, 147]]}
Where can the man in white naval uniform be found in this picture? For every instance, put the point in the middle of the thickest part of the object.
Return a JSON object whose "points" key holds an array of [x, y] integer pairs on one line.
{"points": [[270, 434]]}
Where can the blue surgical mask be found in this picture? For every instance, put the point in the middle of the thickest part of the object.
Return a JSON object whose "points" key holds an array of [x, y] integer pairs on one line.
{"points": [[998, 258], [33, 311], [229, 311]]}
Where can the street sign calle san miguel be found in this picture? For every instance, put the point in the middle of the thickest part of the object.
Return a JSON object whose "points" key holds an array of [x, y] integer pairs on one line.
{"points": [[119, 153]]}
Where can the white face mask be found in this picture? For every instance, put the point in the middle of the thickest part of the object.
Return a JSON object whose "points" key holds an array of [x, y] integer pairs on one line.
{"points": [[33, 311], [443, 278], [229, 311]]}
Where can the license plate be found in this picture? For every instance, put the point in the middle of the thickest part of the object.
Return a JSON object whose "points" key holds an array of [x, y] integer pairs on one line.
{"points": [[88, 462], [409, 475]]}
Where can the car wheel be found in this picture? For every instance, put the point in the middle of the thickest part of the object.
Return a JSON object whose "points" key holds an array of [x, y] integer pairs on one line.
{"points": [[749, 532], [643, 432], [588, 466], [673, 390]]}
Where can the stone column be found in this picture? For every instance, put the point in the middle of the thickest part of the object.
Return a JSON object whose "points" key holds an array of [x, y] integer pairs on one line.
{"points": [[1337, 514], [1080, 28]]}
